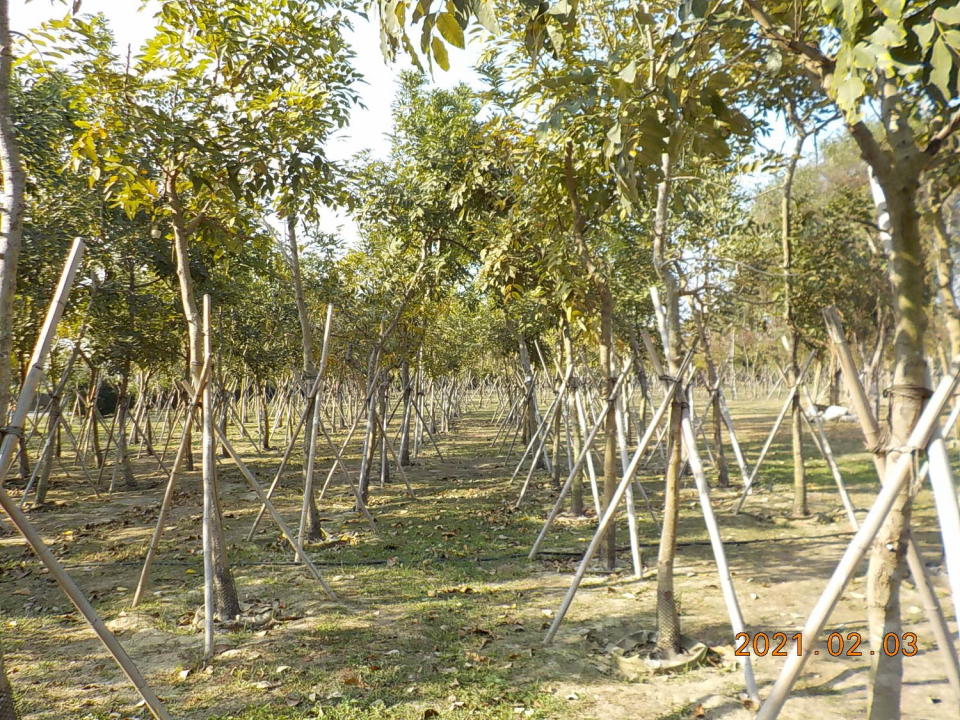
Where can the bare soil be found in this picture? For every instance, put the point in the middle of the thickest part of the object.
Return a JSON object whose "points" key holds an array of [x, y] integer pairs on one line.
{"points": [[443, 615]]}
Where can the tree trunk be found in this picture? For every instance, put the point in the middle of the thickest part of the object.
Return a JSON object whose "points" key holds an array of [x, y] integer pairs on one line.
{"points": [[11, 228], [576, 491], [793, 336], [610, 478], [530, 391], [123, 410], [311, 529], [723, 472], [668, 619], [404, 451], [43, 478], [227, 604], [910, 388]]}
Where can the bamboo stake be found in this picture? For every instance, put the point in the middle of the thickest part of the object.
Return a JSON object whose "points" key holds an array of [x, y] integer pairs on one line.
{"points": [[773, 432], [871, 432], [719, 556], [945, 497], [209, 488]]}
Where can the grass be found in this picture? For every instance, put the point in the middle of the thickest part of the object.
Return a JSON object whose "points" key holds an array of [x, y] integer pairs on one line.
{"points": [[441, 613]]}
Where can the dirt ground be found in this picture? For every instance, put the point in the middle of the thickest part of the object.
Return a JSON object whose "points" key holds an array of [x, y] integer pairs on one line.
{"points": [[442, 615]]}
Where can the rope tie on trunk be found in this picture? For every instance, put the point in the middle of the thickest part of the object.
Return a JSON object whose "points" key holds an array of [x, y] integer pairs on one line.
{"points": [[908, 390]]}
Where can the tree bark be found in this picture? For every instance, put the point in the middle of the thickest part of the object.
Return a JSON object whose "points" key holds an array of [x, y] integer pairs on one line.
{"points": [[598, 278], [887, 566], [793, 336], [227, 603], [123, 410], [723, 471], [312, 529], [11, 234], [668, 619], [404, 451]]}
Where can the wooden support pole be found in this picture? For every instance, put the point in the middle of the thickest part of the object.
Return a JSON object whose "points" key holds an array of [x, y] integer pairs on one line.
{"points": [[773, 432], [873, 437], [577, 467], [208, 450], [287, 534], [948, 512]]}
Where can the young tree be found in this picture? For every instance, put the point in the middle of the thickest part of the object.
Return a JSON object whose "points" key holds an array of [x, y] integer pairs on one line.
{"points": [[898, 60]]}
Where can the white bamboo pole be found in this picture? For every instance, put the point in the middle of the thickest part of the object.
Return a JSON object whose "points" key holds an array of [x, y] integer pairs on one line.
{"points": [[773, 431], [536, 439], [897, 476], [631, 509], [719, 556], [948, 512], [577, 467], [734, 443]]}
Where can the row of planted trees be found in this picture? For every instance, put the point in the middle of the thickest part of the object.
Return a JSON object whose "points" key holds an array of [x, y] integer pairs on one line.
{"points": [[590, 189]]}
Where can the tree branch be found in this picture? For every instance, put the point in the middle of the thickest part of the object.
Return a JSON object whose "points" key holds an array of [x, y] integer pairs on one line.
{"points": [[938, 140]]}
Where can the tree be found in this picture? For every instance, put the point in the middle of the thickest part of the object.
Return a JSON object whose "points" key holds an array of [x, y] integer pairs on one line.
{"points": [[901, 62]]}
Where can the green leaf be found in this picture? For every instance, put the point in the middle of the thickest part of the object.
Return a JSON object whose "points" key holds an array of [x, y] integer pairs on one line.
{"points": [[924, 33], [483, 9], [852, 13], [440, 53], [629, 73], [450, 29], [953, 39], [941, 62], [849, 93], [948, 16]]}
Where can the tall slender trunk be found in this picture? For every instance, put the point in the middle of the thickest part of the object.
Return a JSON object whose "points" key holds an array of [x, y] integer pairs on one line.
{"points": [[793, 336], [887, 566], [610, 478], [225, 591], [668, 619], [312, 529], [723, 472], [123, 412], [227, 604], [11, 230], [43, 478], [599, 278], [404, 451], [576, 492], [530, 392]]}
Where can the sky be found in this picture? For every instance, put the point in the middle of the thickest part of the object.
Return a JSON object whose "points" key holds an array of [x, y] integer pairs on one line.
{"points": [[369, 126]]}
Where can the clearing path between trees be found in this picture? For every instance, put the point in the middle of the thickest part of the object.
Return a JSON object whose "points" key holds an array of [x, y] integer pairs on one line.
{"points": [[443, 616]]}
